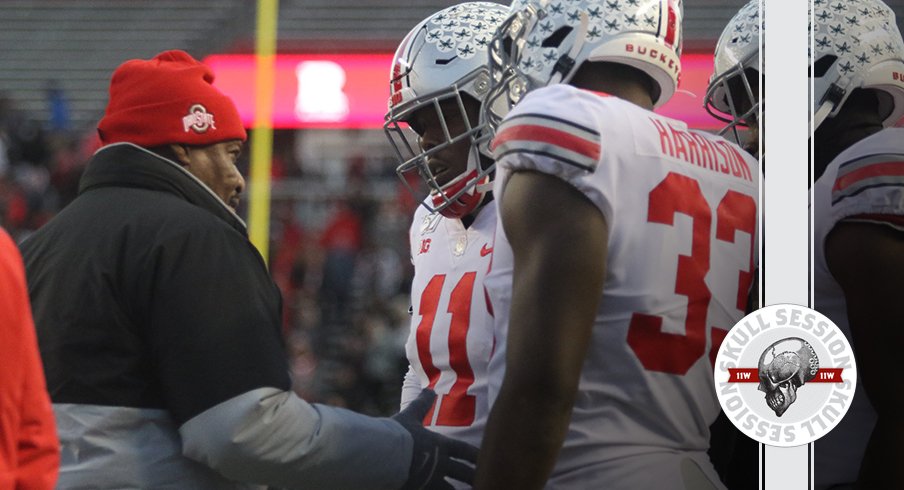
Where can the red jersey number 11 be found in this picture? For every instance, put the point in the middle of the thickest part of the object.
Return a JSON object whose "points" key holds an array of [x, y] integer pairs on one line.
{"points": [[458, 407]]}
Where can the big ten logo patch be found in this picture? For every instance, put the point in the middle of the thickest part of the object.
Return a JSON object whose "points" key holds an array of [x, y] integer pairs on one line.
{"points": [[425, 246], [785, 375]]}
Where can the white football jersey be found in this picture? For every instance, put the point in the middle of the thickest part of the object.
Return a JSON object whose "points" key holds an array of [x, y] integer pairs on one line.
{"points": [[681, 208], [451, 336], [864, 183]]}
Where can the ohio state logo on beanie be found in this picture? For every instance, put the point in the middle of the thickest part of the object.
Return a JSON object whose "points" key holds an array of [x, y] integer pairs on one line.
{"points": [[168, 99], [198, 119]]}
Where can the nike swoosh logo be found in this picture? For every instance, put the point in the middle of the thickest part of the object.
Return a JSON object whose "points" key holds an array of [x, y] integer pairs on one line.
{"points": [[484, 251]]}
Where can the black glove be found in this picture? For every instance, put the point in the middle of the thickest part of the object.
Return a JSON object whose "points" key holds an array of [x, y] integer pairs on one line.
{"points": [[434, 457]]}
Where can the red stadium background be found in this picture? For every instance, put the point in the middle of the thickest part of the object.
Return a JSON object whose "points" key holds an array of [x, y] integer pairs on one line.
{"points": [[350, 90]]}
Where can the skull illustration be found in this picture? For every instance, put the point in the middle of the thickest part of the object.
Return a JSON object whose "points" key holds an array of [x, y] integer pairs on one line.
{"points": [[784, 367]]}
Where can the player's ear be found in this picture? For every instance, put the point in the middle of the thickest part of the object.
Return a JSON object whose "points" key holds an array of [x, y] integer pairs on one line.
{"points": [[181, 154]]}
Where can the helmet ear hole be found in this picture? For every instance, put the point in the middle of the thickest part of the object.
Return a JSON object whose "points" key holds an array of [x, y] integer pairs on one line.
{"points": [[822, 65], [886, 103], [507, 44], [556, 38]]}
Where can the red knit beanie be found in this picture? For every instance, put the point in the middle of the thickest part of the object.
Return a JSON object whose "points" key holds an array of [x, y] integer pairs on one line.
{"points": [[168, 99]]}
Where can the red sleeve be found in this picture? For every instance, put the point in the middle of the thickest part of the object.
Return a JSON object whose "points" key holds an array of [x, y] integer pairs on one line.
{"points": [[29, 449]]}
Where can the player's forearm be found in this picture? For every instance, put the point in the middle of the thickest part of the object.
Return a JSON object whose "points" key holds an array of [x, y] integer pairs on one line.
{"points": [[529, 419], [555, 296], [867, 262], [524, 434]]}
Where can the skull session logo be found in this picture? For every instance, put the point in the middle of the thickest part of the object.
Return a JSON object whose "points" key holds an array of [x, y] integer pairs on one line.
{"points": [[784, 367], [785, 375]]}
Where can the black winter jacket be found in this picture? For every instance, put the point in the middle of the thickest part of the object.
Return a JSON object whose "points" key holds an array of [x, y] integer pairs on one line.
{"points": [[159, 328], [147, 292]]}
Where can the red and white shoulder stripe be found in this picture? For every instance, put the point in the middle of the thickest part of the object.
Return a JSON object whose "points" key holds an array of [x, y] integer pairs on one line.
{"points": [[879, 178], [868, 172], [549, 136]]}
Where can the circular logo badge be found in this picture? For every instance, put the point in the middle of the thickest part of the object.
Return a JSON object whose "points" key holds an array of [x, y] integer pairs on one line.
{"points": [[198, 119], [785, 375]]}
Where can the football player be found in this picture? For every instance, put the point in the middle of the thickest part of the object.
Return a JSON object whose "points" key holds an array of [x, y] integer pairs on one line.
{"points": [[439, 78], [733, 93], [857, 69], [623, 254]]}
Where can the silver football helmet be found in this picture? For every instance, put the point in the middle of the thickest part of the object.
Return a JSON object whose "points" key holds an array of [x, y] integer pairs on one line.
{"points": [[544, 42], [443, 58], [856, 44], [737, 53]]}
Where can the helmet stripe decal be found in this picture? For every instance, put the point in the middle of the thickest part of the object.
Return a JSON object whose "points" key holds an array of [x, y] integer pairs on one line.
{"points": [[671, 24], [396, 81]]}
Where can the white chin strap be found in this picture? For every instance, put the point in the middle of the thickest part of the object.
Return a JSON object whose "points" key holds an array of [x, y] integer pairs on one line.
{"points": [[580, 37], [474, 163], [485, 187], [821, 114]]}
